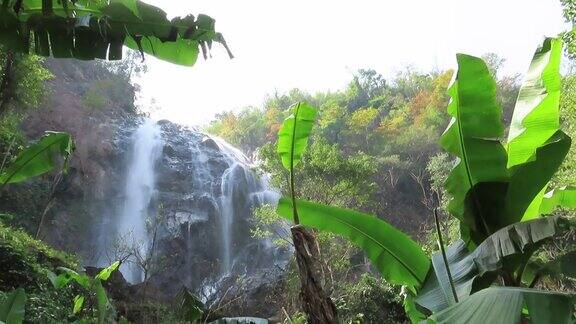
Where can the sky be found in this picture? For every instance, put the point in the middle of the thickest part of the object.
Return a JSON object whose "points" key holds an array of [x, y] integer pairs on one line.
{"points": [[317, 45]]}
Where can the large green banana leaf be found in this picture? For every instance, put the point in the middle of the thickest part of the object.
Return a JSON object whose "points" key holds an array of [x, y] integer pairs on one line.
{"points": [[87, 29], [536, 116], [536, 145], [39, 158], [503, 305], [13, 308], [473, 137], [474, 270], [399, 259], [529, 181], [294, 133]]}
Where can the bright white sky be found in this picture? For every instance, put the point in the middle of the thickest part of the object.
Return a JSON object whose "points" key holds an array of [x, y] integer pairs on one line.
{"points": [[315, 45]]}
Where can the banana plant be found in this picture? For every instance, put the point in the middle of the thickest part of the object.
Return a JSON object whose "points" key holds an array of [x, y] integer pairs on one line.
{"points": [[500, 197], [93, 285], [292, 142], [89, 29]]}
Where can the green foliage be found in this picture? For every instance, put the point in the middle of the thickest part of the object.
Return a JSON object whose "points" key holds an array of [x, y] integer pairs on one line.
{"points": [[12, 308], [189, 308], [326, 175], [399, 259], [505, 305], [26, 90], [536, 148], [39, 158], [96, 292], [294, 133], [492, 190], [509, 248], [11, 137], [473, 138], [25, 263], [29, 76], [562, 197], [370, 300], [247, 129], [31, 254], [569, 37], [88, 30]]}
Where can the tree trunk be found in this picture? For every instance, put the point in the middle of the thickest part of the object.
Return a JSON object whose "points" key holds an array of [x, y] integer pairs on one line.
{"points": [[7, 84], [316, 303]]}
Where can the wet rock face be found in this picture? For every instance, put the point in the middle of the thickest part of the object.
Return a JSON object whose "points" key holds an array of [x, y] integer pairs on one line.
{"points": [[193, 175]]}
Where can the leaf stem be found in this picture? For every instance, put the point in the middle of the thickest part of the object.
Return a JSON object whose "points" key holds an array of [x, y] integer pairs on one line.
{"points": [[292, 182], [441, 244]]}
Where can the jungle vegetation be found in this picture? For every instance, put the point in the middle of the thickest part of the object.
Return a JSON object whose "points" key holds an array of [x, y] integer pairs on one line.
{"points": [[494, 194]]}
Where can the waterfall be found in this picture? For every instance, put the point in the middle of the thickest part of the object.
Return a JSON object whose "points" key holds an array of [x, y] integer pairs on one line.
{"points": [[240, 189], [139, 192], [206, 189]]}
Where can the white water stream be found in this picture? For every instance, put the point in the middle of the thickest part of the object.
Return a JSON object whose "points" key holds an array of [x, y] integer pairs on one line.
{"points": [[139, 191]]}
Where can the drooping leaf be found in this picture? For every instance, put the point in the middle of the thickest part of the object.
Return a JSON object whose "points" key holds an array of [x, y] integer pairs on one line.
{"points": [[503, 305], [81, 278], [78, 303], [293, 136], [39, 158], [536, 116], [473, 270], [13, 308], [399, 259], [105, 273], [58, 281], [563, 197], [473, 137], [181, 51], [89, 29]]}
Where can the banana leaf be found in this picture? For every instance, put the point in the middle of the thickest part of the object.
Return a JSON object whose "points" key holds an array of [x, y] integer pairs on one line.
{"points": [[504, 305], [536, 116], [399, 259], [536, 145], [473, 137], [294, 133], [475, 270], [39, 158], [78, 304], [105, 273], [101, 301], [99, 29], [12, 309]]}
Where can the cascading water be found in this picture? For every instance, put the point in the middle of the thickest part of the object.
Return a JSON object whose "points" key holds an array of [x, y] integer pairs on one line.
{"points": [[237, 179], [139, 191], [206, 189]]}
